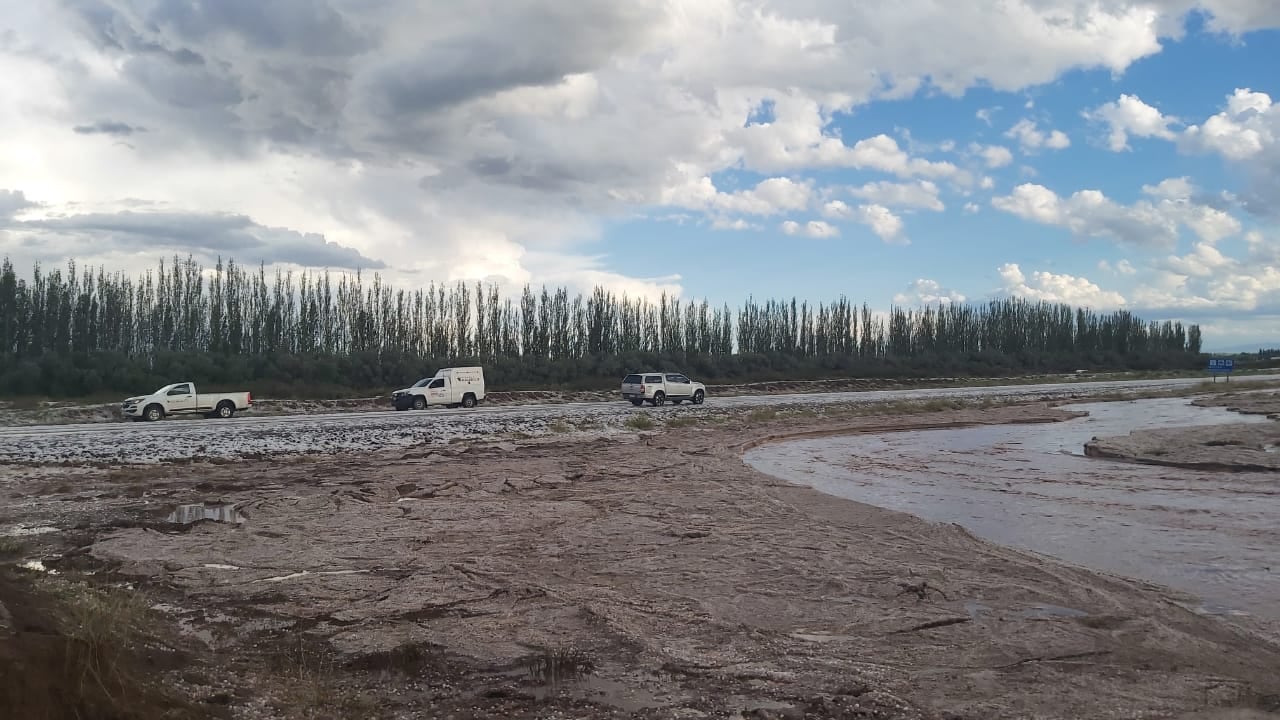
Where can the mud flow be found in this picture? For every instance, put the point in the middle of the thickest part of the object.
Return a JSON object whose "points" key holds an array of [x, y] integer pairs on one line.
{"points": [[1031, 486]]}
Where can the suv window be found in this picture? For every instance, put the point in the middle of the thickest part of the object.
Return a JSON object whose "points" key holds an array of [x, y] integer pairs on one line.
{"points": [[632, 380], [680, 379], [653, 379]]}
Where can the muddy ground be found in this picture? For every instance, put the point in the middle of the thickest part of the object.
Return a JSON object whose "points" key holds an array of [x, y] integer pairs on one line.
{"points": [[1233, 448], [649, 575]]}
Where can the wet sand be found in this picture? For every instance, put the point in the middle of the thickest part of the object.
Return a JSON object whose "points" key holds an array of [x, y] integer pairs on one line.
{"points": [[437, 582]]}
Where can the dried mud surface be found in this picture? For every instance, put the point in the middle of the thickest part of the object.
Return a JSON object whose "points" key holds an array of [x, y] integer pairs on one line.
{"points": [[673, 579], [1236, 447]]}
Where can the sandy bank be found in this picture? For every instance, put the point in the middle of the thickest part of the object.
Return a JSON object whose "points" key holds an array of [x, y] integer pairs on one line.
{"points": [[1230, 448], [682, 584], [1250, 403]]}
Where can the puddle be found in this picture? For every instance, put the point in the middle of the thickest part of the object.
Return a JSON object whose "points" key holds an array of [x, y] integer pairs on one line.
{"points": [[305, 573], [24, 530], [1030, 486], [1052, 611], [217, 512]]}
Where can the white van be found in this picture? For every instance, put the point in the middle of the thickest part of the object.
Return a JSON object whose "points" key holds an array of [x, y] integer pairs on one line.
{"points": [[450, 387]]}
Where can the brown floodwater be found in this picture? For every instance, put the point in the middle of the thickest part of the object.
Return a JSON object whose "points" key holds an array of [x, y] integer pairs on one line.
{"points": [[1213, 535]]}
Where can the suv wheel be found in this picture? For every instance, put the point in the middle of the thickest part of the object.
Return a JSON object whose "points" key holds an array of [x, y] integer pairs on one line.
{"points": [[659, 398], [698, 397]]}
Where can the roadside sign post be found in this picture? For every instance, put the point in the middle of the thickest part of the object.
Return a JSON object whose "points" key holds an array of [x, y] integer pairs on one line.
{"points": [[1221, 366]]}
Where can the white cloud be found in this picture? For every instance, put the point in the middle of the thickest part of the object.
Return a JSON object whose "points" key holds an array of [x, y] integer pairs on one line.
{"points": [[1031, 138], [1131, 117], [772, 196], [919, 194], [927, 292], [1248, 127], [882, 222], [813, 229], [1056, 288], [984, 114], [987, 183], [451, 144], [994, 156], [1120, 267], [1145, 223], [972, 208]]}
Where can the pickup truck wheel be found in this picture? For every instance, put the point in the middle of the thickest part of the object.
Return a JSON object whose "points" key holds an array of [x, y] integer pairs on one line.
{"points": [[225, 409], [468, 401], [698, 397], [419, 403], [153, 413], [659, 399]]}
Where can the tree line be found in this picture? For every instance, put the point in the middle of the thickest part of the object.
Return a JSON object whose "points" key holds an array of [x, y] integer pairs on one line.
{"points": [[80, 332]]}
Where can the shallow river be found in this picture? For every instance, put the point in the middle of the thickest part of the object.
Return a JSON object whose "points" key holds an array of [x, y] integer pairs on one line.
{"points": [[1214, 535]]}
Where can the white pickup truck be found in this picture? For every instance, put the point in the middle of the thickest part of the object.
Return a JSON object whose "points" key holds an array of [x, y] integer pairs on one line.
{"points": [[659, 387], [449, 387], [182, 398]]}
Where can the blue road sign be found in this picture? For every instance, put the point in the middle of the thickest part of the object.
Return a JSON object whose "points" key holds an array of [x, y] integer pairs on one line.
{"points": [[1221, 365]]}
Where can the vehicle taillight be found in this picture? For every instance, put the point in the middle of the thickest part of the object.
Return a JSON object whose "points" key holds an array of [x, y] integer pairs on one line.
{"points": [[641, 388], [250, 398]]}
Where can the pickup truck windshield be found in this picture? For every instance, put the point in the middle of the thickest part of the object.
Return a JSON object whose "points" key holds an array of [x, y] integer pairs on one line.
{"points": [[422, 383], [631, 380]]}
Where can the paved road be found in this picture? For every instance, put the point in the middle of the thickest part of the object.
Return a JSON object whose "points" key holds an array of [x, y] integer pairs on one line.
{"points": [[332, 432]]}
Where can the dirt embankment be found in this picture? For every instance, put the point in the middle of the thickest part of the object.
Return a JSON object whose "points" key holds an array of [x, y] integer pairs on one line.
{"points": [[1247, 403], [65, 412], [643, 576], [1236, 447]]}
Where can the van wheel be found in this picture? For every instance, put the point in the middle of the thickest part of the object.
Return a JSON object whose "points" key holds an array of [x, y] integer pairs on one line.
{"points": [[226, 409], [659, 399], [419, 403], [698, 397], [468, 401], [153, 413]]}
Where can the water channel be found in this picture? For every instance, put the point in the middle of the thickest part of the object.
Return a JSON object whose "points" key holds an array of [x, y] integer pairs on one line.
{"points": [[1214, 535]]}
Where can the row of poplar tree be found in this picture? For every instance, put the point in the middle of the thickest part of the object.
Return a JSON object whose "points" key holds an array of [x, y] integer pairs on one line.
{"points": [[99, 330]]}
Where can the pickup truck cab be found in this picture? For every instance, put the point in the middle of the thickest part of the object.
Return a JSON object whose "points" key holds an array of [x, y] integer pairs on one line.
{"points": [[450, 387], [658, 388], [182, 398]]}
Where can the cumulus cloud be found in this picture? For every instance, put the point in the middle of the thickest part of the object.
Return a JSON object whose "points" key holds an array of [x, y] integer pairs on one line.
{"points": [[1246, 134], [993, 156], [1120, 267], [1150, 223], [927, 292], [1129, 117], [501, 140], [882, 221], [13, 202], [1057, 288], [812, 228], [1031, 138], [921, 194]]}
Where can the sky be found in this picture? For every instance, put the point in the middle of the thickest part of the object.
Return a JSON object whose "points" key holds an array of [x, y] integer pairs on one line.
{"points": [[1104, 153]]}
